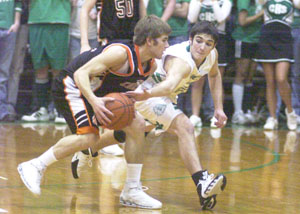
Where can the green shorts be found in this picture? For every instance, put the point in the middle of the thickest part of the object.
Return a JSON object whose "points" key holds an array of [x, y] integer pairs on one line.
{"points": [[49, 44]]}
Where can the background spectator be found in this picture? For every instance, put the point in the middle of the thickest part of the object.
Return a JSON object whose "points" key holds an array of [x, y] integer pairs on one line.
{"points": [[49, 40], [276, 53], [246, 35], [10, 15]]}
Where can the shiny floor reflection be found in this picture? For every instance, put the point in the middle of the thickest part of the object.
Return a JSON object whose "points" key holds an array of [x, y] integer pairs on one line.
{"points": [[262, 168]]}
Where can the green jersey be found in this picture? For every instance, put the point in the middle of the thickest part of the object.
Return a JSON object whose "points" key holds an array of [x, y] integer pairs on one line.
{"points": [[156, 7], [50, 11], [207, 13], [178, 25], [8, 8], [279, 11], [251, 32]]}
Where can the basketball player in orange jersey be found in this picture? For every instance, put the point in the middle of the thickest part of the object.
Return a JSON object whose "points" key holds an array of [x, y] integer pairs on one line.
{"points": [[78, 95], [117, 20]]}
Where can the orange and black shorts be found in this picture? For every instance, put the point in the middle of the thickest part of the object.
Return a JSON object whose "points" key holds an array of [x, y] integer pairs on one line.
{"points": [[73, 106]]}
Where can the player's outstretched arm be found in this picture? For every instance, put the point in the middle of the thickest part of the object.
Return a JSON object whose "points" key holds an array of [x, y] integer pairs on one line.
{"points": [[215, 84], [176, 70]]}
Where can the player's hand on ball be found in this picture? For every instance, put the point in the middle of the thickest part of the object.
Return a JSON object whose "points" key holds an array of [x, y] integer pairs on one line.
{"points": [[102, 114]]}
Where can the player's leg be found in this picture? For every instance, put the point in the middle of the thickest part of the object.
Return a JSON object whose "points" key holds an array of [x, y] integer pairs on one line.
{"points": [[269, 71], [82, 159], [32, 171], [282, 70], [132, 194], [78, 114], [162, 111], [208, 186]]}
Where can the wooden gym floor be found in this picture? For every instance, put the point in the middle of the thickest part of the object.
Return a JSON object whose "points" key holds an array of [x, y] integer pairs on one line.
{"points": [[262, 169]]}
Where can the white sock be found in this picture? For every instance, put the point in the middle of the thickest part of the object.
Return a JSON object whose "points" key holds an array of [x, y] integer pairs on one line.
{"points": [[48, 157], [237, 93], [134, 172]]}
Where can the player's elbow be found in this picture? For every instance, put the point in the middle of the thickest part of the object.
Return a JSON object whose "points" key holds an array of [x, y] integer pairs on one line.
{"points": [[77, 76]]}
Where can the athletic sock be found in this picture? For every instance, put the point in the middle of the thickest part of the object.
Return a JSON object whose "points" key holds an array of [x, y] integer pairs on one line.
{"points": [[134, 172], [198, 176], [48, 157], [248, 97], [42, 87], [237, 93]]}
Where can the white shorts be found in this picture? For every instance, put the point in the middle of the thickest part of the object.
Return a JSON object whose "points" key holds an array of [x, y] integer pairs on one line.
{"points": [[160, 111]]}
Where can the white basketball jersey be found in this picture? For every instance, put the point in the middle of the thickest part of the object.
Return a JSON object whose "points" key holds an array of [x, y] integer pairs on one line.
{"points": [[182, 51]]}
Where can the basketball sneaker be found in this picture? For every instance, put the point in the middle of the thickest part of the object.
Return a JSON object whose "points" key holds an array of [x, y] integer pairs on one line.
{"points": [[271, 123], [40, 115], [208, 188], [238, 118], [59, 118], [212, 122], [291, 120], [196, 121], [112, 150], [31, 173], [80, 161], [133, 196], [250, 117]]}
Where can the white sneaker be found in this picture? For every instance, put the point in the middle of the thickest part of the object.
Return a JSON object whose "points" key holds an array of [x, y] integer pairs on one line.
{"points": [[196, 121], [212, 122], [209, 187], [80, 161], [31, 173], [112, 150], [39, 116], [291, 120], [238, 118], [59, 118], [133, 196], [271, 123], [249, 117]]}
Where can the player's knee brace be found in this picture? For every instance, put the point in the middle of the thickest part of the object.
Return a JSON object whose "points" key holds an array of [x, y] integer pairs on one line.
{"points": [[120, 136]]}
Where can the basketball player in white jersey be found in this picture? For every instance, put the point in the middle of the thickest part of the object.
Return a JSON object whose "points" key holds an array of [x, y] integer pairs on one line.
{"points": [[181, 65]]}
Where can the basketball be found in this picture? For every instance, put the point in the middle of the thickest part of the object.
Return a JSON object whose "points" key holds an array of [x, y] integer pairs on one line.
{"points": [[122, 108]]}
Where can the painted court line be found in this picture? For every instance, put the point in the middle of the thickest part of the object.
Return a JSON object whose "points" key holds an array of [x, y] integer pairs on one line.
{"points": [[3, 178]]}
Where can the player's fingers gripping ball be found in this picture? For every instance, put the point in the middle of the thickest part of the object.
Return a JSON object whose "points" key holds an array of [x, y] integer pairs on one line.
{"points": [[122, 108]]}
